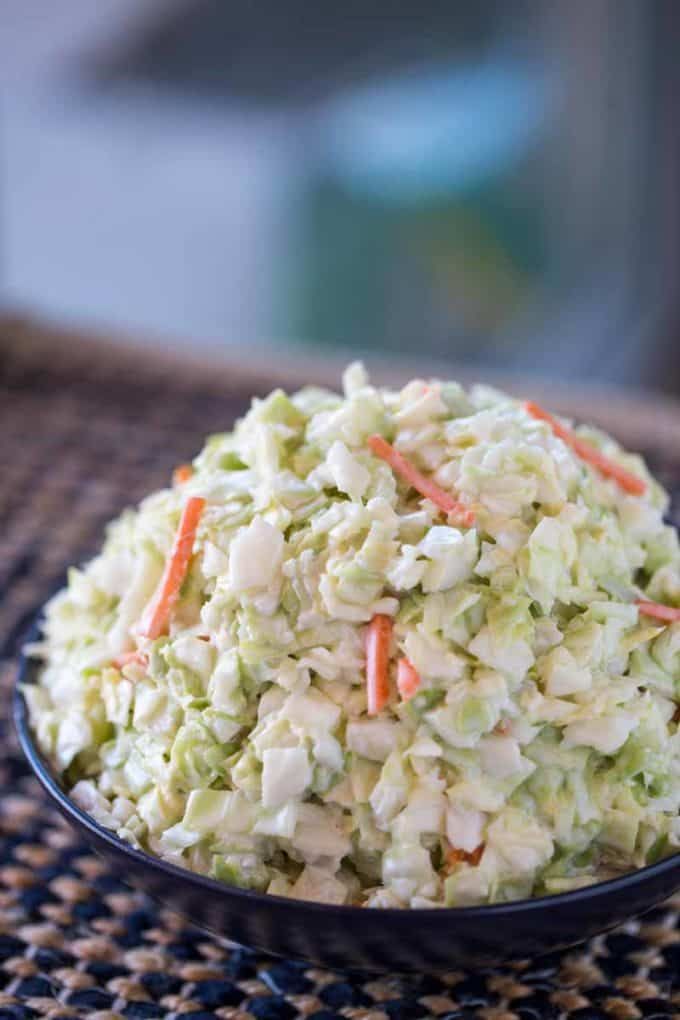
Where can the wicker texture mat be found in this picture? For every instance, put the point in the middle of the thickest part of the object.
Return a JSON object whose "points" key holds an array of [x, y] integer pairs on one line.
{"points": [[82, 436]]}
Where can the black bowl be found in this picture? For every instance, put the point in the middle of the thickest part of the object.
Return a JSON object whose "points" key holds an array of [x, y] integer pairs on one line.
{"points": [[351, 937]]}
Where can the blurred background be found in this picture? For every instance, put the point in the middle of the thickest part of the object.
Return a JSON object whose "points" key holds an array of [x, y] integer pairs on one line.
{"points": [[491, 183]]}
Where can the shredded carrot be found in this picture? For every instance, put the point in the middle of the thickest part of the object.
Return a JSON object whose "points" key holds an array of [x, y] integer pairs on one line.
{"points": [[182, 473], [456, 856], [378, 639], [658, 611], [127, 657], [502, 727], [626, 480], [425, 486], [156, 616], [408, 679], [676, 717]]}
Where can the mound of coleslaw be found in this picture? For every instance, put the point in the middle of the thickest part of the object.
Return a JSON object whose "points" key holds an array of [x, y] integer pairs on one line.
{"points": [[391, 648]]}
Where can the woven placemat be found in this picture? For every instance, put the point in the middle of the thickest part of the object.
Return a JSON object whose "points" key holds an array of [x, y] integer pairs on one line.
{"points": [[84, 433]]}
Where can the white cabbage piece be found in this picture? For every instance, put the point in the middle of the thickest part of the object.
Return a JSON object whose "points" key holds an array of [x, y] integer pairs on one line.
{"points": [[255, 556], [286, 774]]}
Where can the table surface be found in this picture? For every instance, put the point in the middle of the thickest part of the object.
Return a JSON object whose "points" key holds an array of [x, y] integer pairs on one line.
{"points": [[86, 430]]}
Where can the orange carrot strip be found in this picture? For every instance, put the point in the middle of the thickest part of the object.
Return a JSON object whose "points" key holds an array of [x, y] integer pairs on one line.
{"points": [[378, 639], [626, 480], [408, 679], [182, 473], [425, 486], [127, 657], [658, 611], [156, 616], [457, 856]]}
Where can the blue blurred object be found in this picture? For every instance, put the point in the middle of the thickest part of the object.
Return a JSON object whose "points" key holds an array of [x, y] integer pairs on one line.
{"points": [[418, 136], [416, 220]]}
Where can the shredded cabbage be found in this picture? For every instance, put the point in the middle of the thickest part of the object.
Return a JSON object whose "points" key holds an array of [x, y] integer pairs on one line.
{"points": [[541, 749]]}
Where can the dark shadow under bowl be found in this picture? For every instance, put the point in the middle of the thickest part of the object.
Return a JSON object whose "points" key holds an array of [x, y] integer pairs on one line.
{"points": [[352, 937]]}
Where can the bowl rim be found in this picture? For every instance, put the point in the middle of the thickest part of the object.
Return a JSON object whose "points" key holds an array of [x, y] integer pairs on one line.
{"points": [[40, 766]]}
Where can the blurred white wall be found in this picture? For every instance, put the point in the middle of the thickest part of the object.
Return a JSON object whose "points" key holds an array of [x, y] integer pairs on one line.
{"points": [[129, 191]]}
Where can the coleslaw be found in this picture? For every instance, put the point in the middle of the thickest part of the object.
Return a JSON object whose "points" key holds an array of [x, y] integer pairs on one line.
{"points": [[408, 648]]}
